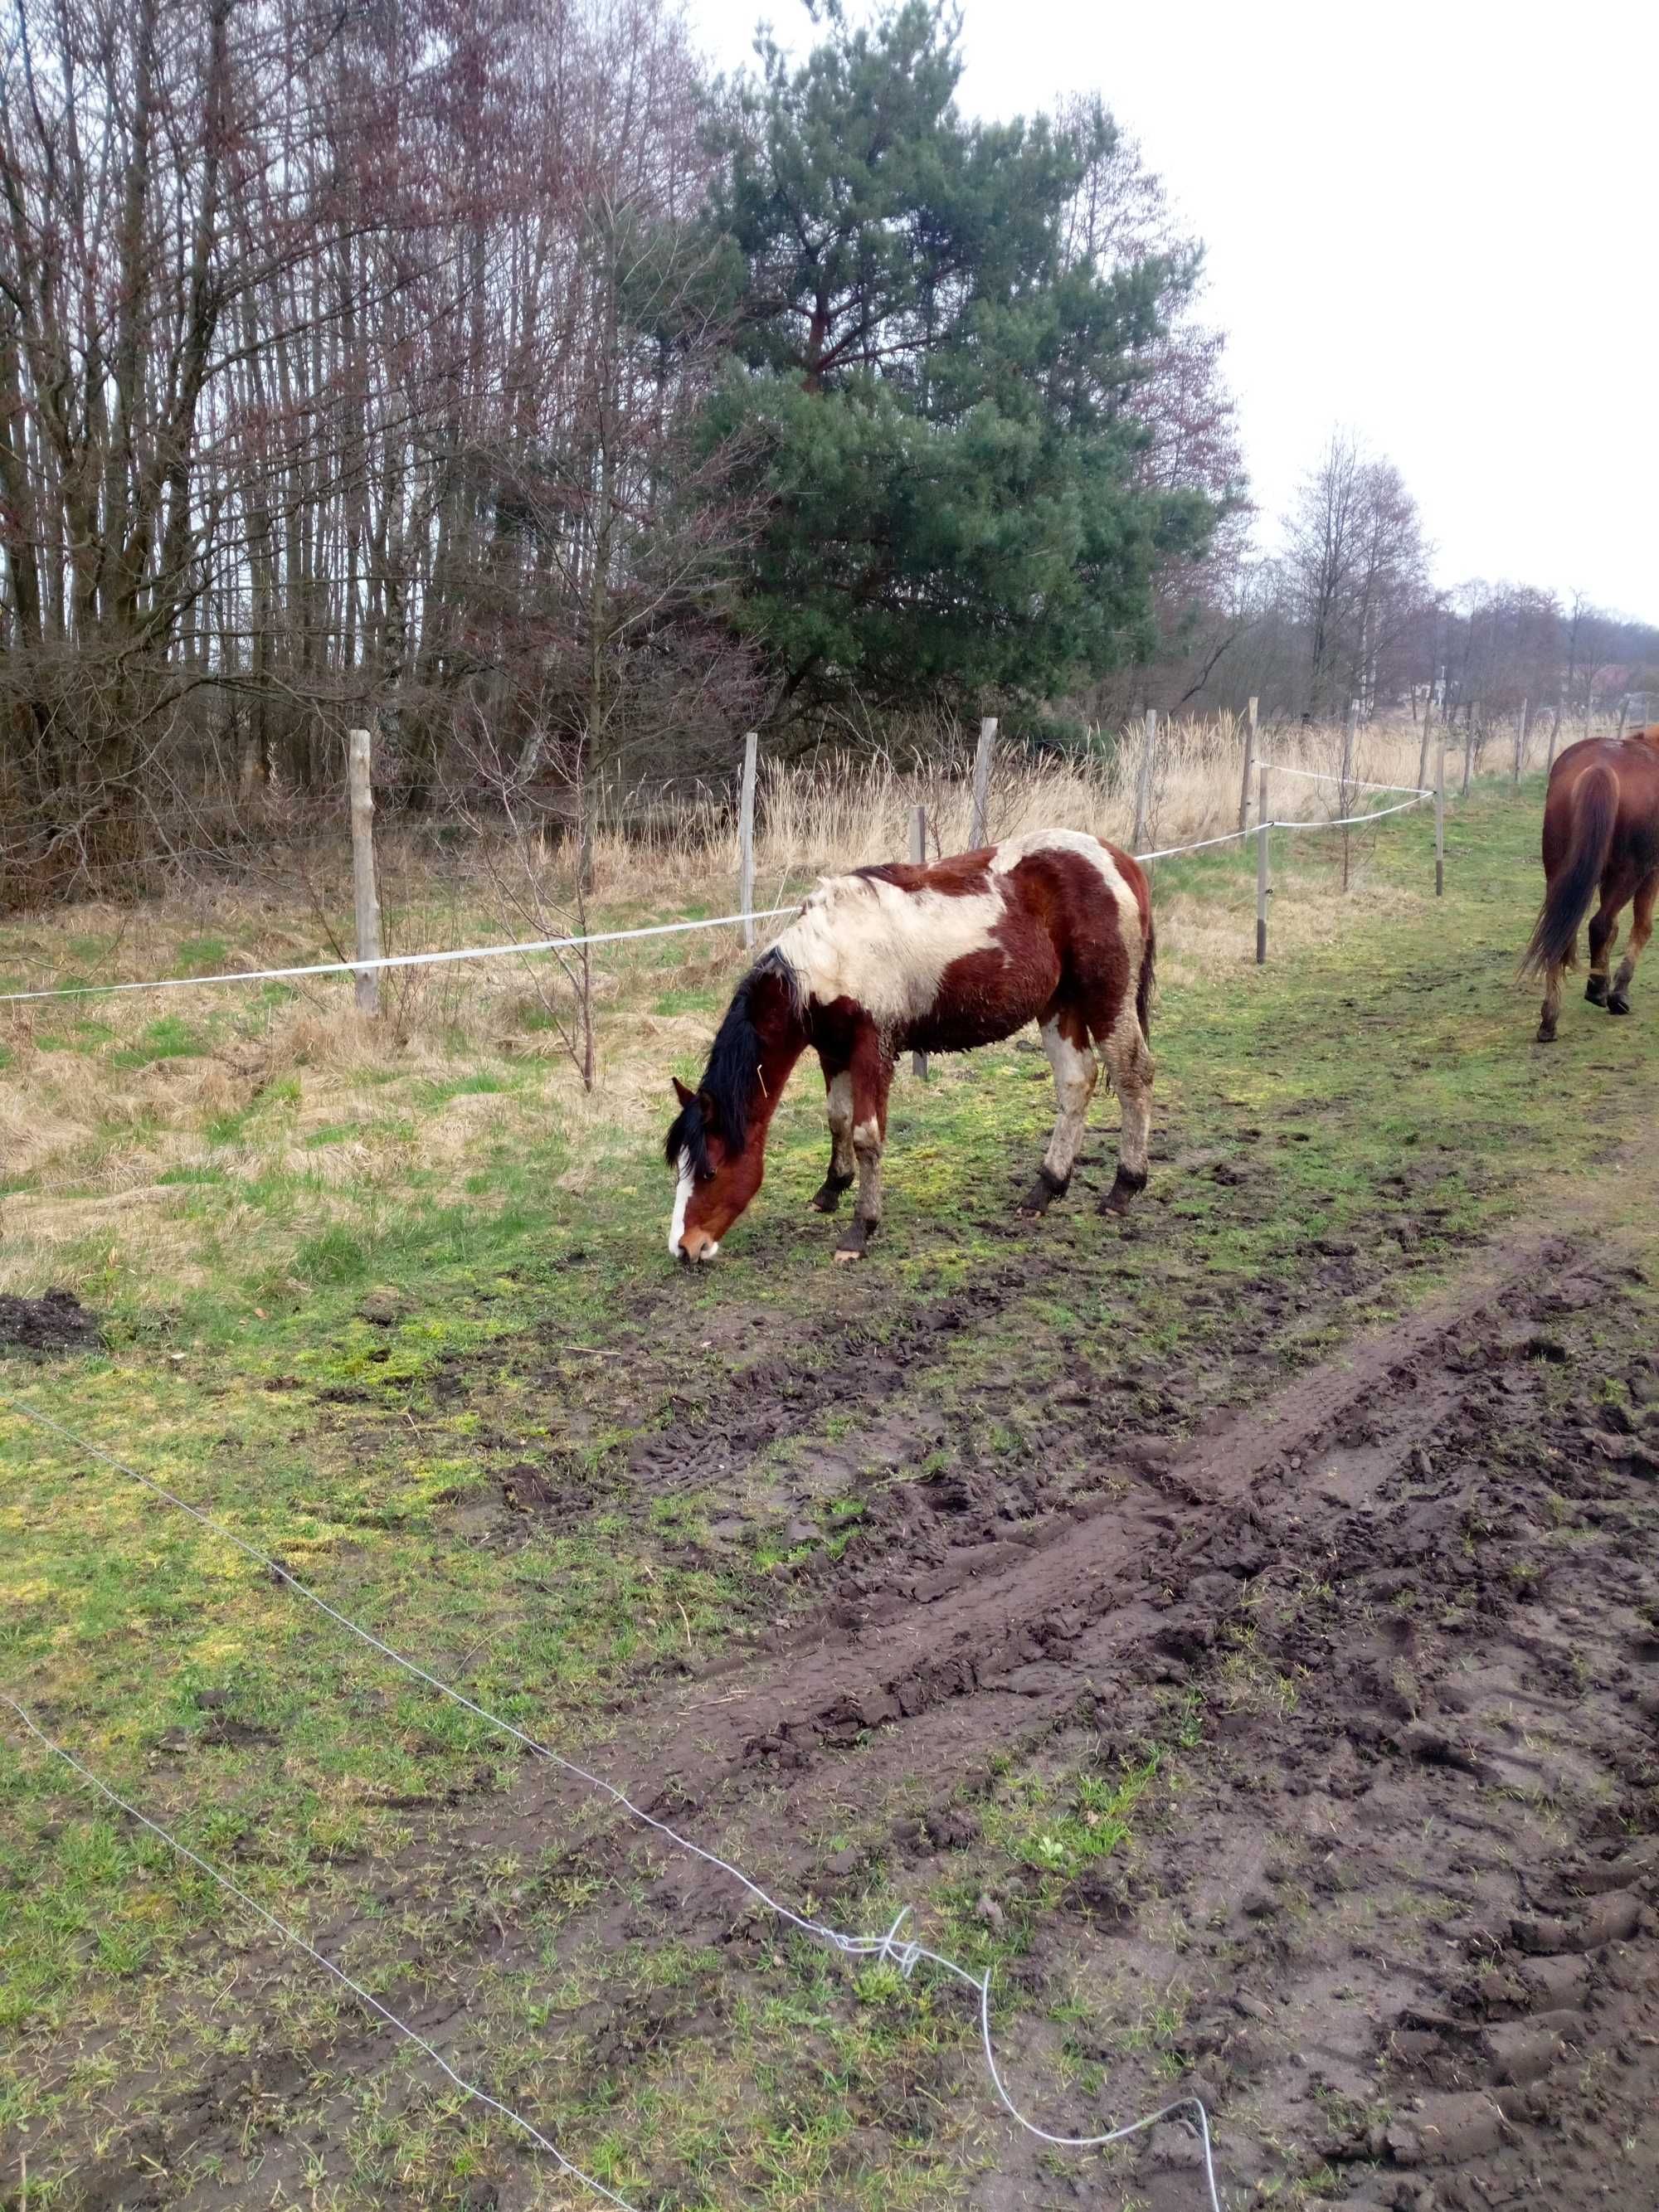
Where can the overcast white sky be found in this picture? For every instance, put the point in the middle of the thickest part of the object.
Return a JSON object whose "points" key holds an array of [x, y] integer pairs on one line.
{"points": [[1437, 224]]}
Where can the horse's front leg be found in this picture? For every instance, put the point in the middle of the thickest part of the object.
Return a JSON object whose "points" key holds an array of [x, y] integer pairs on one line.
{"points": [[838, 1084], [872, 1077]]}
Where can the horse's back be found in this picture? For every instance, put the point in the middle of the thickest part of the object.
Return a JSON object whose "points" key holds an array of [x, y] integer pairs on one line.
{"points": [[947, 955]]}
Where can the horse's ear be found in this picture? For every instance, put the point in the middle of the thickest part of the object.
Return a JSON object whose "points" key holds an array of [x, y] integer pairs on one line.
{"points": [[710, 1111], [682, 1091]]}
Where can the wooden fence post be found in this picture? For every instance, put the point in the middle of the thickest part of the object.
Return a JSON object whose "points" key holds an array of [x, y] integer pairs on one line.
{"points": [[1263, 885], [1250, 763], [746, 838], [980, 821], [1423, 749], [1521, 743], [366, 891], [1349, 730], [1144, 779], [1468, 750], [1440, 822], [919, 853]]}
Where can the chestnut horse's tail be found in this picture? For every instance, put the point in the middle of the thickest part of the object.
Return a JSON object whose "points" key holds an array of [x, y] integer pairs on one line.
{"points": [[1594, 805]]}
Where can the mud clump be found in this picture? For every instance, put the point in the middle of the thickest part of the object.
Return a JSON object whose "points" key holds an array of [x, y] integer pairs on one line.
{"points": [[57, 1322]]}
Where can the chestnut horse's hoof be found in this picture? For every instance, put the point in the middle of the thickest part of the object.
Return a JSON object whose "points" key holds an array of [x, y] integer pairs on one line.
{"points": [[1618, 1004], [827, 1197], [1546, 1032], [1597, 990]]}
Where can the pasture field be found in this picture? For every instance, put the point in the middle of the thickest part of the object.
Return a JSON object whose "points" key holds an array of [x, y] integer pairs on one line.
{"points": [[1239, 1625]]}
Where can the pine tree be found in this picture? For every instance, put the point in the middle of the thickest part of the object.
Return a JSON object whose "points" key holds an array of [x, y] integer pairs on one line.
{"points": [[937, 391]]}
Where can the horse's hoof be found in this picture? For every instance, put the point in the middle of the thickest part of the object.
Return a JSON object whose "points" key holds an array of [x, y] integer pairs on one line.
{"points": [[1597, 990], [854, 1238], [827, 1198], [1119, 1197], [1040, 1196], [1618, 1004], [1546, 1032]]}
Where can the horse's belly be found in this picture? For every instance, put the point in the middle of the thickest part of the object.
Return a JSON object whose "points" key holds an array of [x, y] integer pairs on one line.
{"points": [[987, 996]]}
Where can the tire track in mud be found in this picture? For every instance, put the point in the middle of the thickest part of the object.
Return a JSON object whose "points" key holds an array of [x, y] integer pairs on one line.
{"points": [[1080, 1587]]}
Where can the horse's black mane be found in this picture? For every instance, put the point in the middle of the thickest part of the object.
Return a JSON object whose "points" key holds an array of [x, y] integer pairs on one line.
{"points": [[728, 1081]]}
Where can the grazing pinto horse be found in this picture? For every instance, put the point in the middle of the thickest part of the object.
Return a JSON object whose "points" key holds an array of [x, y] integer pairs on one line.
{"points": [[1600, 833], [1054, 926]]}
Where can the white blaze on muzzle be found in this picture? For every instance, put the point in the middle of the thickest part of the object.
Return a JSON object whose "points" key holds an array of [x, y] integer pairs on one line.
{"points": [[681, 1199]]}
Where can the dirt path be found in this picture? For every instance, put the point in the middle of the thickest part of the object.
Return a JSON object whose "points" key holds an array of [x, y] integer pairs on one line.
{"points": [[1414, 1867]]}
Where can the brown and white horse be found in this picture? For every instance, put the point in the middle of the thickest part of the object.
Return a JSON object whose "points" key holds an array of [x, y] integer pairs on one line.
{"points": [[1601, 836], [1054, 926]]}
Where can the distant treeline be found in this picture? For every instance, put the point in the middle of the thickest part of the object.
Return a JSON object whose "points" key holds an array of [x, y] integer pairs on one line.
{"points": [[495, 379]]}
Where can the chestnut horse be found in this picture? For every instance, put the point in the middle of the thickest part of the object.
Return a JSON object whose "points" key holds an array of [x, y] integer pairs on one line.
{"points": [[1054, 926], [1601, 835]]}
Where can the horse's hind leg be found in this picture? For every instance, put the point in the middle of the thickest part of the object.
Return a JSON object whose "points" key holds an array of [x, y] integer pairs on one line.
{"points": [[1552, 1007], [1129, 1064], [1066, 1041], [1641, 929], [838, 1084], [1603, 935]]}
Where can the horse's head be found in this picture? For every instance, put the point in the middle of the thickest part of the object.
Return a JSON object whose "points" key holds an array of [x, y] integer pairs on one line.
{"points": [[717, 1145], [719, 1169]]}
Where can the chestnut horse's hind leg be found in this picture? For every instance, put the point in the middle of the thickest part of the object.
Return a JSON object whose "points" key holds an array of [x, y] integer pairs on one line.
{"points": [[1552, 1007], [1066, 1041], [827, 1195], [1641, 930], [1129, 1064], [1603, 935]]}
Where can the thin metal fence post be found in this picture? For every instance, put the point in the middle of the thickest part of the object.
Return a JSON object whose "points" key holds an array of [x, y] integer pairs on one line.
{"points": [[919, 854], [1520, 743], [979, 822], [364, 890], [746, 838], [1350, 730], [1263, 885]]}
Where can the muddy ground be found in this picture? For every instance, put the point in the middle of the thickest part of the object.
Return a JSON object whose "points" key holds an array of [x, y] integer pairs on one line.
{"points": [[1384, 1644]]}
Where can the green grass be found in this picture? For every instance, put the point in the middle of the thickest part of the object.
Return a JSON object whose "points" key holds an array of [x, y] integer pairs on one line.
{"points": [[371, 1450]]}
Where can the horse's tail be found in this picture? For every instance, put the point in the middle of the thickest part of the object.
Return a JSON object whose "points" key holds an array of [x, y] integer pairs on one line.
{"points": [[1594, 805], [1144, 988]]}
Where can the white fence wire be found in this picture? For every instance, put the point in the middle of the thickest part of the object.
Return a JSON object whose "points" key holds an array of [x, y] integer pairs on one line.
{"points": [[541, 944]]}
